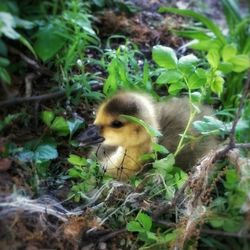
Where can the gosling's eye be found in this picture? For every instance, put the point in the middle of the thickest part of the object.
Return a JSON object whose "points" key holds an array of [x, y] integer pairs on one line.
{"points": [[116, 124]]}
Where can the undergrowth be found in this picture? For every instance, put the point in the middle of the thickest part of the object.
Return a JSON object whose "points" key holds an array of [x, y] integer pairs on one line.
{"points": [[58, 42]]}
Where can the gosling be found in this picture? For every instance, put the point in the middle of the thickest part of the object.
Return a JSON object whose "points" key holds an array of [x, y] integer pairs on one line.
{"points": [[122, 143]]}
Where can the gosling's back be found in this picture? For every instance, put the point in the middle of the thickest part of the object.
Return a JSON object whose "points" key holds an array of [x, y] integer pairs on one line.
{"points": [[173, 117]]}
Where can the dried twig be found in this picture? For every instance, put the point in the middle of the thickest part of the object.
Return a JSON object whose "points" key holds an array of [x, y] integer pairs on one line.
{"points": [[58, 94]]}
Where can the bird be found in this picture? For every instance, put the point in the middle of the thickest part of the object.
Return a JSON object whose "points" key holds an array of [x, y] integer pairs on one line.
{"points": [[122, 142]]}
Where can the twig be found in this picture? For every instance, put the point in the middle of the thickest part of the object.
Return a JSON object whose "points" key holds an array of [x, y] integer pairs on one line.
{"points": [[112, 235], [34, 64], [242, 145], [225, 234], [58, 94], [239, 111]]}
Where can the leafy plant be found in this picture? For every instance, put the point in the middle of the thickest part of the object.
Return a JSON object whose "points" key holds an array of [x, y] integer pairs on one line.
{"points": [[142, 224], [227, 54], [85, 173]]}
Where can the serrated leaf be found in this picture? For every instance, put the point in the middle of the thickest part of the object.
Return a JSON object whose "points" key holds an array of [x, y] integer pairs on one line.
{"points": [[26, 156], [228, 52], [170, 76], [164, 57], [77, 160], [213, 58], [47, 117], [144, 220], [45, 152]]}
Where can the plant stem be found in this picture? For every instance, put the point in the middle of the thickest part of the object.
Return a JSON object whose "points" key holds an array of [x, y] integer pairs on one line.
{"points": [[191, 117]]}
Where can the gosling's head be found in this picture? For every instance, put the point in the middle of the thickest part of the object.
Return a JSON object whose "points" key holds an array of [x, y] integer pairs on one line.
{"points": [[114, 130]]}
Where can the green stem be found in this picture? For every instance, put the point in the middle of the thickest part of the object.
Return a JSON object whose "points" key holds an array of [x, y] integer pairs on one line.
{"points": [[191, 118]]}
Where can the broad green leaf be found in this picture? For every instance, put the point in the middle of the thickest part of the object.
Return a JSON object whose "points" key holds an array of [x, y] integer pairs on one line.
{"points": [[151, 131], [169, 76], [225, 67], [205, 20], [186, 63], [74, 124], [213, 58], [159, 148], [164, 56], [228, 52], [196, 97], [151, 236], [134, 226], [77, 160], [144, 220], [197, 79], [217, 85], [60, 125], [49, 41], [45, 152], [240, 63], [47, 117], [205, 44]]}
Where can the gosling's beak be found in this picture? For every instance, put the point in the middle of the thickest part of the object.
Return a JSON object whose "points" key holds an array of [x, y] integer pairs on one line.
{"points": [[90, 136]]}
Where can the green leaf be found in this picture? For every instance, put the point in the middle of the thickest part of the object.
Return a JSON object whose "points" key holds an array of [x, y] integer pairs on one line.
{"points": [[159, 148], [134, 226], [151, 131], [176, 87], [217, 85], [213, 58], [74, 124], [45, 152], [50, 40], [216, 222], [186, 63], [4, 62], [228, 52], [144, 220], [169, 76], [164, 57], [26, 156], [164, 165], [7, 25], [240, 63], [4, 75], [205, 20], [206, 44], [47, 117], [77, 160], [60, 126], [196, 97], [197, 79], [225, 67]]}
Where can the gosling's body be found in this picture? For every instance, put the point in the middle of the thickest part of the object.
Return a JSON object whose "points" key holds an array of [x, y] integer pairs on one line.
{"points": [[125, 142]]}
